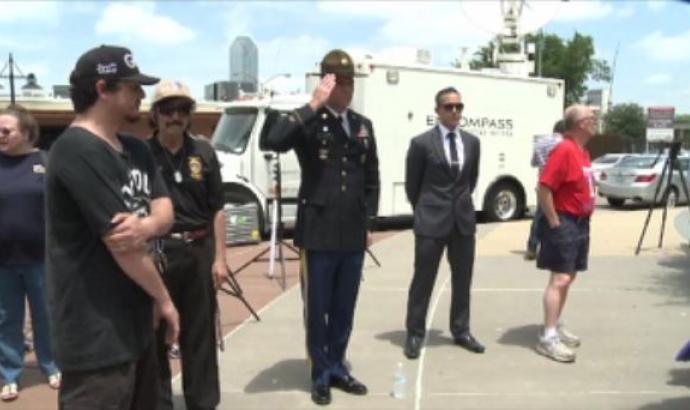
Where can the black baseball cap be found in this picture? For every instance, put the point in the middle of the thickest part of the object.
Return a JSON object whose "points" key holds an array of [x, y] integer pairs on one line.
{"points": [[109, 62]]}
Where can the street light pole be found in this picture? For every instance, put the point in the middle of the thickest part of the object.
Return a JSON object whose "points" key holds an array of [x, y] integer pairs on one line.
{"points": [[272, 78], [11, 76]]}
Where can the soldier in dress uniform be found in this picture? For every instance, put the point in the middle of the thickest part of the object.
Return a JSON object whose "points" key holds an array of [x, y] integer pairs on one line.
{"points": [[338, 200]]}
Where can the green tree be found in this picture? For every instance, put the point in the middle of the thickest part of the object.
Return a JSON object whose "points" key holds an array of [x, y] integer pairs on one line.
{"points": [[483, 58], [682, 118], [570, 60], [627, 120]]}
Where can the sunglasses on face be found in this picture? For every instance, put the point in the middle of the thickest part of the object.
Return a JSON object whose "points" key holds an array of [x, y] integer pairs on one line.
{"points": [[450, 107], [171, 107]]}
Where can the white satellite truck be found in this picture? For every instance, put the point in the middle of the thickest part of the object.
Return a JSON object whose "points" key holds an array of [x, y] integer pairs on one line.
{"points": [[506, 111]]}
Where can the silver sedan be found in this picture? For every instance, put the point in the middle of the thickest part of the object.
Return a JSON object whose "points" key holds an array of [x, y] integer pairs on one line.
{"points": [[637, 178]]}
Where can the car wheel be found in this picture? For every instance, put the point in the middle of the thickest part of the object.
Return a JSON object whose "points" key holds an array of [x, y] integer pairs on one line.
{"points": [[503, 202], [615, 202]]}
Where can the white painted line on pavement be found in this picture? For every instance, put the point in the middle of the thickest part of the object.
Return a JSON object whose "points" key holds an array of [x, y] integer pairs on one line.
{"points": [[420, 368], [507, 290], [556, 394]]}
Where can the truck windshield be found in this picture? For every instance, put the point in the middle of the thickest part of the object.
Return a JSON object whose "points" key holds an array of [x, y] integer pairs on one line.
{"points": [[234, 128]]}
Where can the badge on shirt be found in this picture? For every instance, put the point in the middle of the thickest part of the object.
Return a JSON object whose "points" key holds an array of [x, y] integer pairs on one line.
{"points": [[195, 168], [39, 169]]}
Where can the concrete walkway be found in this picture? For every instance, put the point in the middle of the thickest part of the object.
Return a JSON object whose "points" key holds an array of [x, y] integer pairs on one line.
{"points": [[631, 312]]}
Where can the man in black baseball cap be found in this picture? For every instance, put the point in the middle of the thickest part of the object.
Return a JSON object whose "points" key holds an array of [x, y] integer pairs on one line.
{"points": [[111, 67], [105, 201], [109, 62]]}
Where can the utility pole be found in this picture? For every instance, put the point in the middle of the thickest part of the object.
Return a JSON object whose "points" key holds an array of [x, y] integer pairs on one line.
{"points": [[613, 74], [11, 76]]}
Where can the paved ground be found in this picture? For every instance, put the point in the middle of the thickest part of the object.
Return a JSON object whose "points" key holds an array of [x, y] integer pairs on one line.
{"points": [[258, 289], [632, 313]]}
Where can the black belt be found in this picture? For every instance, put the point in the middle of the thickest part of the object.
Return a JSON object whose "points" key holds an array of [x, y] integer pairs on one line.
{"points": [[574, 218], [189, 236]]}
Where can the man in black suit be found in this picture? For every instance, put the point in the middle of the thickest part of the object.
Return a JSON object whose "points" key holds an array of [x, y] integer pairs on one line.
{"points": [[442, 170], [338, 201]]}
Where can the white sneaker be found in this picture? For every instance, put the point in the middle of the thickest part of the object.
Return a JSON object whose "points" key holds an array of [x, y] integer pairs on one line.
{"points": [[55, 381], [554, 349], [567, 337]]}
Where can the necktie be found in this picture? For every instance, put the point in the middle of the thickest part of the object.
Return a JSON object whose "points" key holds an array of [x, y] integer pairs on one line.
{"points": [[343, 124], [454, 163]]}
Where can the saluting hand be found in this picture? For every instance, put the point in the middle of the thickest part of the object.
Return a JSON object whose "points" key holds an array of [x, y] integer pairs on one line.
{"points": [[322, 91]]}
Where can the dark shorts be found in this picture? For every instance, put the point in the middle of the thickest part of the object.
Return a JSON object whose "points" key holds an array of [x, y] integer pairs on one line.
{"points": [[565, 249], [127, 386]]}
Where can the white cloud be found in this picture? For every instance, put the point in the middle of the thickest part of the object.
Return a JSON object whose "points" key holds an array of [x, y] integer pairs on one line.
{"points": [[129, 22], [584, 10], [238, 22], [625, 11], [404, 27], [29, 12], [658, 78], [657, 5], [671, 48], [456, 25], [292, 55]]}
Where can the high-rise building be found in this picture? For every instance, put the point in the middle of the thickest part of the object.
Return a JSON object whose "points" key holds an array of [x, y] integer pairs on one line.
{"points": [[221, 91], [244, 64]]}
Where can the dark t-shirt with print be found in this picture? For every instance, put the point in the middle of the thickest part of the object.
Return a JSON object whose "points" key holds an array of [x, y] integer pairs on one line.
{"points": [[99, 316]]}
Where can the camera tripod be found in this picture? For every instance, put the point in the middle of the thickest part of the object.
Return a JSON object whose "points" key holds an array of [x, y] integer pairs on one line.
{"points": [[235, 290], [670, 165], [276, 244]]}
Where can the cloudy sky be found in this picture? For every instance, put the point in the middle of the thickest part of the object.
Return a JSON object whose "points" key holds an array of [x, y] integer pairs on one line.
{"points": [[190, 40]]}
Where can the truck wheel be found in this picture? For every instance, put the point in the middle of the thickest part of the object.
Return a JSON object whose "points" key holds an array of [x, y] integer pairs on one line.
{"points": [[240, 197], [503, 202], [615, 202]]}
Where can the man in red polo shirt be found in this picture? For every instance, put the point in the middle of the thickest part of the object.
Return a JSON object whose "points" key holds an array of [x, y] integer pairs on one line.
{"points": [[566, 194]]}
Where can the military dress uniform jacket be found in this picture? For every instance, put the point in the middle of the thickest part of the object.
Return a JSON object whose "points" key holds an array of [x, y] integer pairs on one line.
{"points": [[339, 189]]}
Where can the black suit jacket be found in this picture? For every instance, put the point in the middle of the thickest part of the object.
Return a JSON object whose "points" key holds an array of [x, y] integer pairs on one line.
{"points": [[439, 198], [339, 189]]}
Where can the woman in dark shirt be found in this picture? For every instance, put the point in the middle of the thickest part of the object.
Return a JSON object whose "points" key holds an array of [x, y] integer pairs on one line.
{"points": [[22, 243]]}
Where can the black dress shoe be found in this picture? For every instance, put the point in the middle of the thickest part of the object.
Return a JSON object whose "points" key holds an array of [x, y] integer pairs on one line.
{"points": [[349, 384], [320, 394], [468, 342], [412, 347]]}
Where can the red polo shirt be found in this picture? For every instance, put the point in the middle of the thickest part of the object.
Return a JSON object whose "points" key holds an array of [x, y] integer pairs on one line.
{"points": [[568, 174]]}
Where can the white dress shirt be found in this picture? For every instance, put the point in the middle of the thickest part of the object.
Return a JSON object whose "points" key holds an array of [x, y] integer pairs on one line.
{"points": [[458, 144], [343, 119]]}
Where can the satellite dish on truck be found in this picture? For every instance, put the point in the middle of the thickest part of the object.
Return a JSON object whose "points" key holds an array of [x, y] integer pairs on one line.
{"points": [[509, 21]]}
